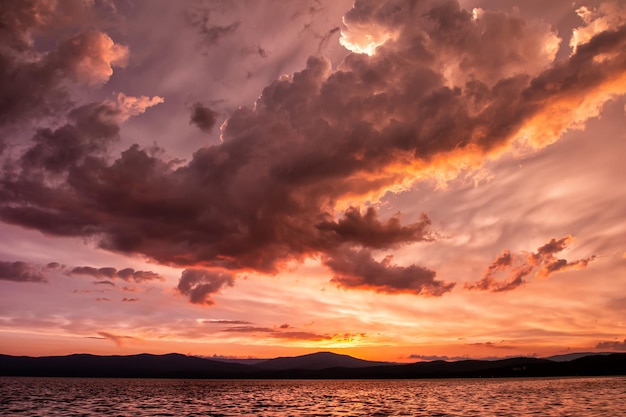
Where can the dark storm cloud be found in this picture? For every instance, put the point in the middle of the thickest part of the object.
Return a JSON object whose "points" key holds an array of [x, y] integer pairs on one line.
{"points": [[619, 346], [199, 284], [21, 272], [203, 117], [445, 91], [370, 232], [92, 128], [359, 270], [517, 267]]}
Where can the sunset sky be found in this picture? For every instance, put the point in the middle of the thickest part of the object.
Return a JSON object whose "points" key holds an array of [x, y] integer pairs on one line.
{"points": [[394, 180]]}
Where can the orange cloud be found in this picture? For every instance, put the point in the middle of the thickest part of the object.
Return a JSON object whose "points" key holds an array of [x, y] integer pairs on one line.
{"points": [[518, 267], [91, 56]]}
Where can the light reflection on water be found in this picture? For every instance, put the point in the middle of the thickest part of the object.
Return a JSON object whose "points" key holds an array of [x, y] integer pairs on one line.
{"points": [[460, 397]]}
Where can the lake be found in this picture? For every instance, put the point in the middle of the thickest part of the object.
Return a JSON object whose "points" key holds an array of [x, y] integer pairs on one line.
{"points": [[177, 397]]}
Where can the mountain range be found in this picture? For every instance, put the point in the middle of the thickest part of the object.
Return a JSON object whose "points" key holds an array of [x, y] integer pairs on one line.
{"points": [[322, 365]]}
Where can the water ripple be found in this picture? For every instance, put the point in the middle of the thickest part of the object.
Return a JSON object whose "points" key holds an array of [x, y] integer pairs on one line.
{"points": [[550, 397]]}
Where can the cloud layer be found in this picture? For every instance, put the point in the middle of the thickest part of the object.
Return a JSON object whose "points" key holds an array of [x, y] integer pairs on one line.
{"points": [[440, 90]]}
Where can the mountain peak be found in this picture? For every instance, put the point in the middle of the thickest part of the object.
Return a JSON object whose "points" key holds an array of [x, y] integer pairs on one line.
{"points": [[317, 361]]}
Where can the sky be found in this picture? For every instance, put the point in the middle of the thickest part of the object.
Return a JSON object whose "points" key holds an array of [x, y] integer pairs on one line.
{"points": [[394, 180]]}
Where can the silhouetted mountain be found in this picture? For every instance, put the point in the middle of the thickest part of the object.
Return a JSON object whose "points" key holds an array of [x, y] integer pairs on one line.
{"points": [[571, 356], [243, 361], [315, 366], [317, 361], [142, 366]]}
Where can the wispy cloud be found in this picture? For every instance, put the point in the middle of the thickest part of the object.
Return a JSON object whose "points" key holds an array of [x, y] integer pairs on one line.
{"points": [[117, 339], [612, 345]]}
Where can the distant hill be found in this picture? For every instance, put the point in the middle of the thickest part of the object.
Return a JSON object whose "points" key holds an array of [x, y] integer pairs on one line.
{"points": [[317, 361], [571, 356], [323, 365], [141, 366], [243, 361]]}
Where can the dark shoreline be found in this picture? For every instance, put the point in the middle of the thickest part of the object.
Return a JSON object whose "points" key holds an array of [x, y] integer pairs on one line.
{"points": [[188, 367]]}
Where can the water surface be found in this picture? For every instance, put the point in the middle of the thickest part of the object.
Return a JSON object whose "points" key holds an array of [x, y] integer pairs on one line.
{"points": [[166, 397]]}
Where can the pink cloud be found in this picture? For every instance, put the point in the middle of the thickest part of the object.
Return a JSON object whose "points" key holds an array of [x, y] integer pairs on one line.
{"points": [[21, 272], [543, 263]]}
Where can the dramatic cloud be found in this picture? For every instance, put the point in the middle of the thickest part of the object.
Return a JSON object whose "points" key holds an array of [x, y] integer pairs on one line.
{"points": [[438, 90], [368, 231], [200, 284], [203, 117], [359, 270], [91, 128], [20, 272], [36, 81], [517, 267], [619, 346], [608, 16]]}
